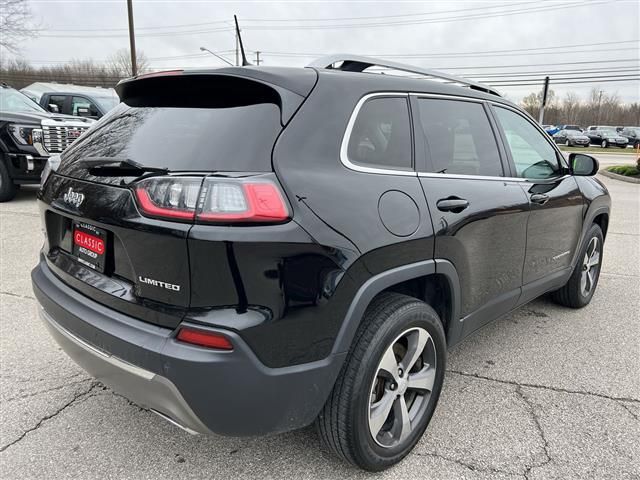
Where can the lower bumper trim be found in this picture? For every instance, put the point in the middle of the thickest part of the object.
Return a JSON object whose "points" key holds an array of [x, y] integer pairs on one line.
{"points": [[145, 388]]}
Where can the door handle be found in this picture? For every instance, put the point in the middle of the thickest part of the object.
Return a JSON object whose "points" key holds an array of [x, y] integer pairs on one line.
{"points": [[539, 198], [452, 204]]}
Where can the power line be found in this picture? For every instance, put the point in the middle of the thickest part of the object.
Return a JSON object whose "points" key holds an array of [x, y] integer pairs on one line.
{"points": [[290, 20], [413, 21], [571, 82], [486, 53], [161, 34], [593, 77], [334, 19], [550, 72], [427, 21]]}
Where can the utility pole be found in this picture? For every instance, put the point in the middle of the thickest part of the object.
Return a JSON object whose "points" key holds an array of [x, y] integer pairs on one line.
{"points": [[258, 58], [132, 39], [545, 92]]}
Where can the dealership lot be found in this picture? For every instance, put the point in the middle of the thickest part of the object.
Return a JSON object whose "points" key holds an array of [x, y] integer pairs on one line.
{"points": [[544, 392]]}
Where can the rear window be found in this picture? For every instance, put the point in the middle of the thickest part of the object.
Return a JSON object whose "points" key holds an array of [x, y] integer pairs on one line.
{"points": [[231, 138]]}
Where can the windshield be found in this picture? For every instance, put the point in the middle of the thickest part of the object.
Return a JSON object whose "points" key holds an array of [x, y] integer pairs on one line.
{"points": [[107, 103], [14, 102], [573, 133], [609, 132]]}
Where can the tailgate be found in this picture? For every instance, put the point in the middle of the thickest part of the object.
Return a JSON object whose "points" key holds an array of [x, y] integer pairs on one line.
{"points": [[142, 267]]}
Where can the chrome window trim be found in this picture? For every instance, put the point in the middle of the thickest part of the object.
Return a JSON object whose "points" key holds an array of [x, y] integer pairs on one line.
{"points": [[344, 147], [448, 97], [471, 177], [344, 159]]}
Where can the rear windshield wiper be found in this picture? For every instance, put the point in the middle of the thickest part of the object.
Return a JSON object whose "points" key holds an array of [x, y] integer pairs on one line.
{"points": [[118, 167]]}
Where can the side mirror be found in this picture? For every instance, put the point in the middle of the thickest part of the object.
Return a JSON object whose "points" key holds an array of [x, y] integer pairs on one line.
{"points": [[583, 165], [53, 108]]}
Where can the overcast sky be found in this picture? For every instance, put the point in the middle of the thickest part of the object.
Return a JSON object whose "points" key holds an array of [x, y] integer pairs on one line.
{"points": [[537, 36]]}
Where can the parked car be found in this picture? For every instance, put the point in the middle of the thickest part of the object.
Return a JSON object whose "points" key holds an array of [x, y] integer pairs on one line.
{"points": [[92, 102], [551, 130], [28, 136], [607, 137], [571, 138], [571, 127], [599, 127], [632, 134], [319, 272]]}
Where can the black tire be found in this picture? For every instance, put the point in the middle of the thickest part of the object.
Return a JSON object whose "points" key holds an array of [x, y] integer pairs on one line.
{"points": [[344, 422], [572, 294], [567, 143], [604, 144], [8, 189]]}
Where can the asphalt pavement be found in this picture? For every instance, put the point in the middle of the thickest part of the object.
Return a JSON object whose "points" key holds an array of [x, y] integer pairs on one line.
{"points": [[545, 392]]}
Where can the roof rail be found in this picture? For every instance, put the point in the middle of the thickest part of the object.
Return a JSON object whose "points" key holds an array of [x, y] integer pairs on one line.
{"points": [[356, 63]]}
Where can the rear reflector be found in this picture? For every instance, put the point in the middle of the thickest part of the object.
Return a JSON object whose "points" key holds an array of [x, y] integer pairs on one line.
{"points": [[204, 338], [219, 200]]}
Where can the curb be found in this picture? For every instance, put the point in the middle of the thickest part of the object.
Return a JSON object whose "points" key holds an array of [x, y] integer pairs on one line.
{"points": [[609, 174]]}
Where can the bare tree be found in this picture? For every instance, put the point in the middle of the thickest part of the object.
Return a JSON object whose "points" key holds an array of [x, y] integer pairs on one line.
{"points": [[119, 64], [532, 102], [16, 23], [570, 106]]}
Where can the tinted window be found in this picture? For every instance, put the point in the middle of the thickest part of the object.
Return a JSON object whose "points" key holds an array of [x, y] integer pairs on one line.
{"points": [[533, 155], [459, 138], [238, 138], [381, 134], [89, 108], [56, 100]]}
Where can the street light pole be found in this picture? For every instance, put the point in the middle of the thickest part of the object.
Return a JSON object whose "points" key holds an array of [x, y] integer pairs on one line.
{"points": [[132, 39], [203, 49]]}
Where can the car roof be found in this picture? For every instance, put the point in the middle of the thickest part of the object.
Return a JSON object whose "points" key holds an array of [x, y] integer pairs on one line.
{"points": [[301, 81]]}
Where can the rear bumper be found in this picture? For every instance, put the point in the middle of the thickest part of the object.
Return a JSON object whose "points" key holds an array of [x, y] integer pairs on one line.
{"points": [[201, 390]]}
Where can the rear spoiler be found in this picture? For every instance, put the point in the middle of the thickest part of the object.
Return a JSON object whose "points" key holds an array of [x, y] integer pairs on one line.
{"points": [[224, 87]]}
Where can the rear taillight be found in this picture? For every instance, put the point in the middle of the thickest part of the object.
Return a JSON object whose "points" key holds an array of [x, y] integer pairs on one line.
{"points": [[204, 338], [215, 200], [172, 198]]}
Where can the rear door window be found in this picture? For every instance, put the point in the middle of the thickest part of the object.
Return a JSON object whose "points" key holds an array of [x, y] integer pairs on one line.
{"points": [[459, 138], [381, 134]]}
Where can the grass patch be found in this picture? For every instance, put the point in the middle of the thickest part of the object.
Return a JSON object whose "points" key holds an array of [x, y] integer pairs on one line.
{"points": [[626, 170], [611, 150]]}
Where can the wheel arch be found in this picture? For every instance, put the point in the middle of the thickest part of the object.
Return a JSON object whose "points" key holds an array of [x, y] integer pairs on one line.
{"points": [[433, 281], [598, 215], [602, 219]]}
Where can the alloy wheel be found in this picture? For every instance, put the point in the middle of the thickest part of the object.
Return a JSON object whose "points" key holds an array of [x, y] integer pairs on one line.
{"points": [[590, 267], [402, 387]]}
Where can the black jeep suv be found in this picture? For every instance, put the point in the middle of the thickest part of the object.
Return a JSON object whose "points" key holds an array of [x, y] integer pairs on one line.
{"points": [[248, 250]]}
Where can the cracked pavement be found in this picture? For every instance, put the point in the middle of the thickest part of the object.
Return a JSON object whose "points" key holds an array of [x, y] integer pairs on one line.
{"points": [[543, 393]]}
